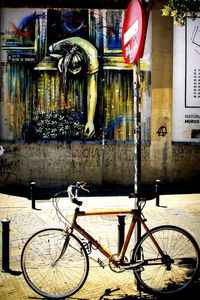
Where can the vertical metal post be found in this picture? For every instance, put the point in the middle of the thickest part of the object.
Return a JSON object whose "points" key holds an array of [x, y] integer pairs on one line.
{"points": [[137, 127], [5, 245], [32, 192], [103, 155], [121, 231], [137, 142], [157, 191]]}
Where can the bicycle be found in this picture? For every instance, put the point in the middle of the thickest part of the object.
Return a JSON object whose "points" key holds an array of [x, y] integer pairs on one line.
{"points": [[55, 262]]}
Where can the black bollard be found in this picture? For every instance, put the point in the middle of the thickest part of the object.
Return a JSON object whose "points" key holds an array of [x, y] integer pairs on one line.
{"points": [[157, 191], [121, 231], [32, 192], [5, 245]]}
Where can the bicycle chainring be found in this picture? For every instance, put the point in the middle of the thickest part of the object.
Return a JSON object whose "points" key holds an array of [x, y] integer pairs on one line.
{"points": [[115, 264]]}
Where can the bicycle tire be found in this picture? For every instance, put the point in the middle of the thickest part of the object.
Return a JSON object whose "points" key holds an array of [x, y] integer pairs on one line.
{"points": [[180, 245], [47, 278]]}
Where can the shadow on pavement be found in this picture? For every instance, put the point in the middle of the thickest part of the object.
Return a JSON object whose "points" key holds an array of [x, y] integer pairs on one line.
{"points": [[194, 289], [147, 190], [13, 272]]}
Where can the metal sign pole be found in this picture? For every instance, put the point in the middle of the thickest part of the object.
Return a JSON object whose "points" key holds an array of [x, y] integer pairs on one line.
{"points": [[137, 145], [133, 40], [137, 127], [137, 138]]}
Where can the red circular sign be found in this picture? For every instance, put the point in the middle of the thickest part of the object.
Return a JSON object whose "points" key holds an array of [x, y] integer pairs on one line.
{"points": [[133, 32]]}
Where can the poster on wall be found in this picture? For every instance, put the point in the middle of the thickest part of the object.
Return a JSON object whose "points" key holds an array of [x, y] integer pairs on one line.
{"points": [[186, 82]]}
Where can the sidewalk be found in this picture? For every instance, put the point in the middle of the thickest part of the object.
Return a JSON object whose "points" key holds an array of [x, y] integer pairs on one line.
{"points": [[181, 210]]}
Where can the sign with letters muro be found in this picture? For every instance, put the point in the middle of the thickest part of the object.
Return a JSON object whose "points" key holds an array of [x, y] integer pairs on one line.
{"points": [[186, 82]]}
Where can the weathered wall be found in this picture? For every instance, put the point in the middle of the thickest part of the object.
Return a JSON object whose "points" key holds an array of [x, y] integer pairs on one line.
{"points": [[161, 116], [167, 161], [57, 165]]}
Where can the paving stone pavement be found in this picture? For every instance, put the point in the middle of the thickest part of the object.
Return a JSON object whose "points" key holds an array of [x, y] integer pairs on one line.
{"points": [[181, 210]]}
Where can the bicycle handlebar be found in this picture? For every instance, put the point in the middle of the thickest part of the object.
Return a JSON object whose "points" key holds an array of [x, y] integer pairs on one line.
{"points": [[73, 190], [73, 196]]}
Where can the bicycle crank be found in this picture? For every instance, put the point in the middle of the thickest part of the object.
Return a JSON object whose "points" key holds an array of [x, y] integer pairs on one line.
{"points": [[118, 266], [115, 263]]}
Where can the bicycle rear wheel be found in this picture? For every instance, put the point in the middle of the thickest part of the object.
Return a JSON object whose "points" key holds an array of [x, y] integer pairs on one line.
{"points": [[51, 270], [179, 268]]}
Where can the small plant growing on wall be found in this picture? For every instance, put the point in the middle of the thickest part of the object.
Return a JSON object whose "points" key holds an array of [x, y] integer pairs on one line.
{"points": [[181, 9]]}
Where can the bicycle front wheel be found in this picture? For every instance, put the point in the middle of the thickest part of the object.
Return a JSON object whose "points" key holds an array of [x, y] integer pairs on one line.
{"points": [[179, 267], [54, 263]]}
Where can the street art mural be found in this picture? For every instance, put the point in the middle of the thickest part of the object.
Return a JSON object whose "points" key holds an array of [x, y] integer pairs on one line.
{"points": [[64, 77]]}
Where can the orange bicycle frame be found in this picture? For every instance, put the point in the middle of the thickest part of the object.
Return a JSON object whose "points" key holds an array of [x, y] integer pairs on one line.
{"points": [[135, 217]]}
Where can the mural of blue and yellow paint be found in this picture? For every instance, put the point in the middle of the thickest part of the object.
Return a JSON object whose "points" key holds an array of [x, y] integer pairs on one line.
{"points": [[64, 77]]}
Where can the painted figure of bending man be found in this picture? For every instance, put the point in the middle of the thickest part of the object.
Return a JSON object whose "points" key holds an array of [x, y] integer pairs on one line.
{"points": [[71, 52]]}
